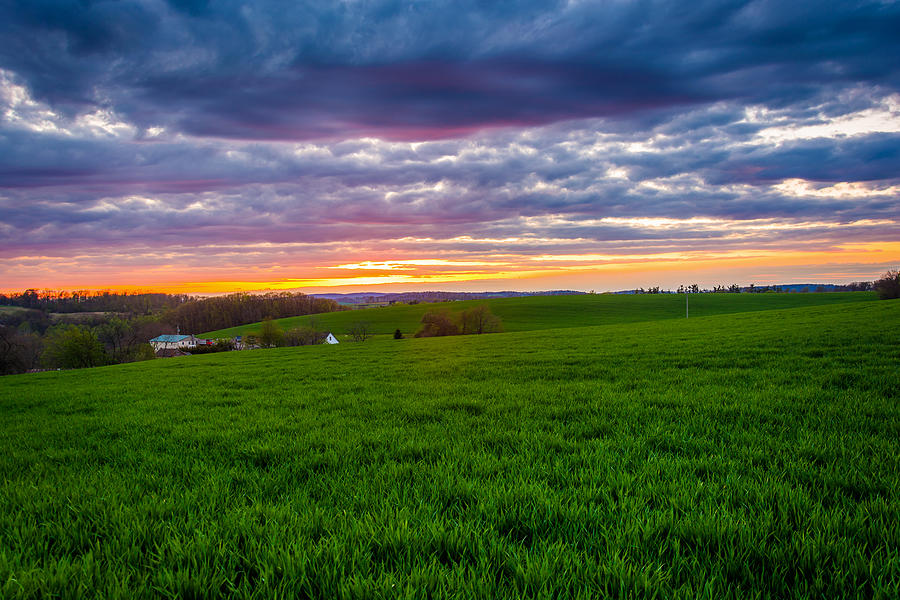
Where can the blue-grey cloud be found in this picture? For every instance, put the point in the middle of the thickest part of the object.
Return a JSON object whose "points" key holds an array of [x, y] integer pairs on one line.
{"points": [[275, 70], [145, 124]]}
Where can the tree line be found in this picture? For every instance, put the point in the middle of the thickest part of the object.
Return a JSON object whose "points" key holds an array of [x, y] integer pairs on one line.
{"points": [[36, 333], [693, 288], [77, 301], [66, 345], [231, 310]]}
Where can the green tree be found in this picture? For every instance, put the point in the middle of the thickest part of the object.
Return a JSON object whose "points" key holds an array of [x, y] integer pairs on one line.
{"points": [[73, 347], [115, 335], [480, 319], [19, 351], [270, 334], [144, 352]]}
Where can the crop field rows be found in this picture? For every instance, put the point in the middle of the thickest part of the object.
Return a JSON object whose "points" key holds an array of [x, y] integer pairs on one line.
{"points": [[731, 456]]}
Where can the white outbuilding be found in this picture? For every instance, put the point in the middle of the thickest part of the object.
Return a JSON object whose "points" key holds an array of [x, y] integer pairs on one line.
{"points": [[330, 339]]}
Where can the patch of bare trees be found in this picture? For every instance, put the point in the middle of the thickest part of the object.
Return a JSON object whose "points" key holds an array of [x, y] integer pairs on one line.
{"points": [[476, 320]]}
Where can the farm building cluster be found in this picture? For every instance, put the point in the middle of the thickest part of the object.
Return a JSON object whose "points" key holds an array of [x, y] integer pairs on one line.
{"points": [[170, 345]]}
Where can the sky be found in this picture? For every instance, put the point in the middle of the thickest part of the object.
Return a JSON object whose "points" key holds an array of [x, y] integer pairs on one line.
{"points": [[346, 145]]}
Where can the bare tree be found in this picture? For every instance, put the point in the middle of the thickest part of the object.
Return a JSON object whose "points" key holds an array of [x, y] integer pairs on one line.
{"points": [[360, 331], [437, 323], [888, 286]]}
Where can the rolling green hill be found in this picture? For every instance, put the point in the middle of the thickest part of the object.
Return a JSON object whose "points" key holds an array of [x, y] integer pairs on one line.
{"points": [[745, 455], [550, 312]]}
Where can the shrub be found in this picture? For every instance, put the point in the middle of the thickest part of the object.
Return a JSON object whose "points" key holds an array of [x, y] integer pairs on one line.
{"points": [[73, 347], [145, 352], [220, 345], [437, 323], [303, 336], [480, 319], [475, 320], [270, 334]]}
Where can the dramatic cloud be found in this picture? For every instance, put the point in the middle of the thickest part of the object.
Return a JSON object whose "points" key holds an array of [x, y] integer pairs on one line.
{"points": [[566, 144]]}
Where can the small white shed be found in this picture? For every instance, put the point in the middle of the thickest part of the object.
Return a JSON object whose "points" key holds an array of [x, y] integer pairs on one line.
{"points": [[330, 339]]}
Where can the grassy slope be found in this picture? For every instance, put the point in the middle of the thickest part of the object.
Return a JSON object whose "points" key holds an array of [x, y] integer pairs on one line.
{"points": [[549, 312], [741, 455]]}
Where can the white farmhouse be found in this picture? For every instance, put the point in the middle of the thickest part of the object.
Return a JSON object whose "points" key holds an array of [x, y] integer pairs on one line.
{"points": [[164, 342]]}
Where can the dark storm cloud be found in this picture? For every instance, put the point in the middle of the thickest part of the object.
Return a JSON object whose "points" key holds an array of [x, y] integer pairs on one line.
{"points": [[287, 70], [521, 128]]}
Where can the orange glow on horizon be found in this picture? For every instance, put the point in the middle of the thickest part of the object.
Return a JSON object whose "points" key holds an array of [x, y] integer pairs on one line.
{"points": [[578, 268]]}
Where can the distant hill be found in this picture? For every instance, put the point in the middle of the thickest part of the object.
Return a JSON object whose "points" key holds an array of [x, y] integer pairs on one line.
{"points": [[793, 288], [376, 298], [552, 312], [413, 297]]}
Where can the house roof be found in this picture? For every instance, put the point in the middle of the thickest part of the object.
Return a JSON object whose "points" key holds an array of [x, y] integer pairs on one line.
{"points": [[170, 338]]}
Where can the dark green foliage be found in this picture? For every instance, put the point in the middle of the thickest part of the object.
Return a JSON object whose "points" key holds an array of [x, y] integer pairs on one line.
{"points": [[888, 287], [26, 320], [121, 340], [398, 335], [72, 347], [114, 334], [19, 351], [125, 340], [753, 455]]}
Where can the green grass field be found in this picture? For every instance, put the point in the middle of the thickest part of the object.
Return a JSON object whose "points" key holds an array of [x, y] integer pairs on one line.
{"points": [[747, 455], [551, 312]]}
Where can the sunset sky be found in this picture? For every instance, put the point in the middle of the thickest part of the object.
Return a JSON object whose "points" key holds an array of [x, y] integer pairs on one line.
{"points": [[204, 147]]}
